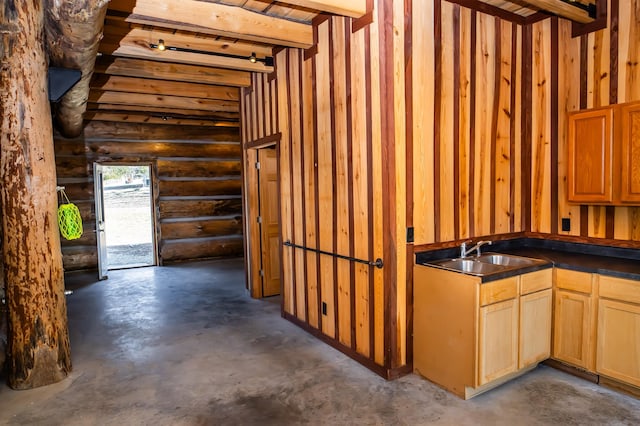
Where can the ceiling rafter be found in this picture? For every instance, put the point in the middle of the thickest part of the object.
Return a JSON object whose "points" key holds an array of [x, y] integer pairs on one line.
{"points": [[219, 19], [561, 8]]}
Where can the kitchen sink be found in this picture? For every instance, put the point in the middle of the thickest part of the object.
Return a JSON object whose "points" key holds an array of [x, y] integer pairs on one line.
{"points": [[507, 260], [485, 264]]}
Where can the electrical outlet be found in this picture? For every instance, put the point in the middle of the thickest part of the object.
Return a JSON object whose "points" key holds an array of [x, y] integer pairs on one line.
{"points": [[410, 234], [566, 224], [324, 308]]}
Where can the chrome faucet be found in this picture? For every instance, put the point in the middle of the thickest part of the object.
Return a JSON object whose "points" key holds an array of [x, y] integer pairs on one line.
{"points": [[463, 248]]}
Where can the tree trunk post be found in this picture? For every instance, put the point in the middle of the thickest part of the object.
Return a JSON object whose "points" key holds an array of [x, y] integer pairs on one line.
{"points": [[38, 346]]}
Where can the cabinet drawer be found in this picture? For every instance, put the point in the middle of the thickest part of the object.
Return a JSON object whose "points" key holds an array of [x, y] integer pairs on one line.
{"points": [[620, 289], [536, 281], [575, 281], [497, 291]]}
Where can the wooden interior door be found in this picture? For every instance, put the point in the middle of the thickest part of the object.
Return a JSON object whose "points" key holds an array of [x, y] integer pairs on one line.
{"points": [[269, 221]]}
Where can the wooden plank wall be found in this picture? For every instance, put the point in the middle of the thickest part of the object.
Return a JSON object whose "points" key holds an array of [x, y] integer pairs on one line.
{"points": [[327, 102], [196, 183], [467, 156], [606, 64]]}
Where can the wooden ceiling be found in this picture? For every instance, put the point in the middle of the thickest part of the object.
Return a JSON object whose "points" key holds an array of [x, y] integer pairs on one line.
{"points": [[196, 79]]}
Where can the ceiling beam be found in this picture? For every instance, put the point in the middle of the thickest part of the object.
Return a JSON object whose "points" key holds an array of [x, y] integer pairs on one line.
{"points": [[117, 83], [116, 30], [131, 47], [222, 20], [351, 8], [178, 102], [168, 71], [559, 8]]}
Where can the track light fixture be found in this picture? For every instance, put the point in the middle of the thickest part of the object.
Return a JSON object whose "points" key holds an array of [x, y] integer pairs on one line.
{"points": [[267, 61]]}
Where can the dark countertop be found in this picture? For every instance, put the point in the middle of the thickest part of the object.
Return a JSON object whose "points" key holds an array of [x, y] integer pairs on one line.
{"points": [[623, 263], [605, 265]]}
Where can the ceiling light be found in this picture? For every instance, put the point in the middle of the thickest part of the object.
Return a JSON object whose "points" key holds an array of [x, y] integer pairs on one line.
{"points": [[267, 60]]}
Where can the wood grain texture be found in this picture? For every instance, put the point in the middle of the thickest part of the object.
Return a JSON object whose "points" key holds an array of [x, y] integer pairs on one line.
{"points": [[38, 349]]}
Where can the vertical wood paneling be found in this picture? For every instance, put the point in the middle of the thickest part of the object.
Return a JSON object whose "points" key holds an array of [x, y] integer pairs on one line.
{"points": [[325, 178], [285, 184], [342, 184], [445, 144], [376, 249], [502, 157], [297, 180], [541, 128], [485, 82], [308, 143], [464, 115], [360, 193], [423, 120], [568, 100], [399, 109]]}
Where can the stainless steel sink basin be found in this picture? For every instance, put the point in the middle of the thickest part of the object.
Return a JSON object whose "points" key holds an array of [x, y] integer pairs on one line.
{"points": [[486, 264], [507, 260], [468, 266]]}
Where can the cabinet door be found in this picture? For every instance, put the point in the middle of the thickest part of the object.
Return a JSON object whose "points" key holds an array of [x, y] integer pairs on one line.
{"points": [[535, 328], [572, 340], [497, 340], [590, 154], [630, 154], [619, 341]]}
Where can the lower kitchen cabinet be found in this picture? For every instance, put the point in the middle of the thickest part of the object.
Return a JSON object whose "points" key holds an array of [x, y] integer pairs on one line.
{"points": [[535, 328], [498, 341], [618, 349], [574, 319], [471, 336]]}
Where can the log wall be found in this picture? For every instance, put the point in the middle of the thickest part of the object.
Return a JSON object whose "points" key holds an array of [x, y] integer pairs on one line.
{"points": [[196, 184]]}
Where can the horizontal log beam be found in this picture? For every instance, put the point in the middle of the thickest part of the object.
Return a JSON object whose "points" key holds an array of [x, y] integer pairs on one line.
{"points": [[200, 168], [201, 248], [116, 83], [148, 100], [351, 8], [137, 44], [199, 208], [147, 150], [200, 228], [221, 20], [231, 117], [164, 119], [168, 71], [117, 30], [559, 8], [150, 132]]}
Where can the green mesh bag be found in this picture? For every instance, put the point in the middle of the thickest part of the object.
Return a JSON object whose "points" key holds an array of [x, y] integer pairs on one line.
{"points": [[69, 219]]}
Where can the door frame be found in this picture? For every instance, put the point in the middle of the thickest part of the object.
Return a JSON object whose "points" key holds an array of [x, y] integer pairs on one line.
{"points": [[153, 195], [250, 205]]}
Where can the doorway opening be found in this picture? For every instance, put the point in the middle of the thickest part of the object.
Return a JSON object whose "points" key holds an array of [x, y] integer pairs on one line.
{"points": [[125, 217]]}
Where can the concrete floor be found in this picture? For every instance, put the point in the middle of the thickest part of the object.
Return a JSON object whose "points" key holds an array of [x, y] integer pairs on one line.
{"points": [[185, 345]]}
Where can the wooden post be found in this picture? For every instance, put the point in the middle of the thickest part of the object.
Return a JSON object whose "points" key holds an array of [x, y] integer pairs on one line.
{"points": [[38, 352], [74, 30]]}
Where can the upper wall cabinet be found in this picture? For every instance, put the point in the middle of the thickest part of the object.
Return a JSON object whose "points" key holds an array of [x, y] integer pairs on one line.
{"points": [[604, 155], [630, 153]]}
